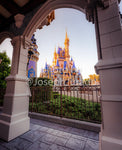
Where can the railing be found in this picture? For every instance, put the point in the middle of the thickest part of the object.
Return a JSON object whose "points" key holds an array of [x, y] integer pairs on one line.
{"points": [[77, 102], [2, 92]]}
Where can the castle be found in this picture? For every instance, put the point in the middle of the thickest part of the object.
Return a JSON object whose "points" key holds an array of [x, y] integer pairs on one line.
{"points": [[63, 70]]}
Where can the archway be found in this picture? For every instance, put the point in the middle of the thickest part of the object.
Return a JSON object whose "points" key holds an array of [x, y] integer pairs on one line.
{"points": [[106, 59], [6, 51], [47, 8], [106, 17], [5, 35]]}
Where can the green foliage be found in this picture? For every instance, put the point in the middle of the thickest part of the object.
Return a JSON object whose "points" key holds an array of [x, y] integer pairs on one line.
{"points": [[72, 107], [4, 69], [55, 95], [42, 89], [86, 81]]}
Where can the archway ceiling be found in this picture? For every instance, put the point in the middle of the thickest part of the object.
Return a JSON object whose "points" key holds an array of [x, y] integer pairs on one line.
{"points": [[9, 8]]}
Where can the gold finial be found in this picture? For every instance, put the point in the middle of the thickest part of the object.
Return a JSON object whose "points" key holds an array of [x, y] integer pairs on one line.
{"points": [[55, 49], [66, 36]]}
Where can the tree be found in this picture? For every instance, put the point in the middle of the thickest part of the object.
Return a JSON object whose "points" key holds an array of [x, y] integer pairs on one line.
{"points": [[4, 68], [86, 81]]}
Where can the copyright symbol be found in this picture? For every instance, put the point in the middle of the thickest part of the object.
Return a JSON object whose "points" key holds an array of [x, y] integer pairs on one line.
{"points": [[30, 81]]}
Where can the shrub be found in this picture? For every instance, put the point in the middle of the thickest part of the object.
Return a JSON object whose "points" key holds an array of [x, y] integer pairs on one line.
{"points": [[42, 88]]}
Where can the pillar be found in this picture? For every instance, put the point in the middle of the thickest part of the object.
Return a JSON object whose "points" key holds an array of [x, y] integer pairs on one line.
{"points": [[109, 67], [14, 119]]}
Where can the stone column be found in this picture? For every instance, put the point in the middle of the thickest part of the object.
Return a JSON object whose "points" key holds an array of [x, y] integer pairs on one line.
{"points": [[109, 68], [14, 119]]}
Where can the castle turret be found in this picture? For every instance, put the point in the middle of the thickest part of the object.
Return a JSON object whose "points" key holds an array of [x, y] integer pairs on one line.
{"points": [[32, 61], [66, 44], [54, 57]]}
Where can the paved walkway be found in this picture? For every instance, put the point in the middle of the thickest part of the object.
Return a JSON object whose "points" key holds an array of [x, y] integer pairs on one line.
{"points": [[45, 135]]}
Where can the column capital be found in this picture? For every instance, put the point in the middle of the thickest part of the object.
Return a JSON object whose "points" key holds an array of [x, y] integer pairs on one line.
{"points": [[26, 42], [22, 40], [105, 3], [14, 40]]}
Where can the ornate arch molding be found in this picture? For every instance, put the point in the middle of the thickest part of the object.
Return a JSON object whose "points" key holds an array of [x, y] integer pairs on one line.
{"points": [[49, 6], [4, 35]]}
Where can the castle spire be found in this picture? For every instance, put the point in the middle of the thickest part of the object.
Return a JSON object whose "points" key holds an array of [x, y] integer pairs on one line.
{"points": [[66, 37], [66, 44], [54, 57], [55, 54], [55, 49]]}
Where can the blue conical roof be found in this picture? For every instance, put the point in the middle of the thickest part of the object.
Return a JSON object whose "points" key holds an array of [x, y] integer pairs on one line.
{"points": [[57, 64], [79, 72], [59, 49], [73, 67], [46, 66]]}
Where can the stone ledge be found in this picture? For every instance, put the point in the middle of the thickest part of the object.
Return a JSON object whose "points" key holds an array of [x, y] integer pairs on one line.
{"points": [[68, 122], [108, 64], [17, 78], [65, 121]]}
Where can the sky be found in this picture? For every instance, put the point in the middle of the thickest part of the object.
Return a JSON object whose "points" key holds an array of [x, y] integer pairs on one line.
{"points": [[81, 33]]}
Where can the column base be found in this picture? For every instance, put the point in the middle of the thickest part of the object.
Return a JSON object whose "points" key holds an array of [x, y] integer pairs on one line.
{"points": [[14, 119], [13, 129], [111, 143]]}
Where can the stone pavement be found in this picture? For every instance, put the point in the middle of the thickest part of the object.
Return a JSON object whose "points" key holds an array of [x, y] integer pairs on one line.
{"points": [[45, 135]]}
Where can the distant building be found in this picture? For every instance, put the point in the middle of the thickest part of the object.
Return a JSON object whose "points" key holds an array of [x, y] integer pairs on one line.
{"points": [[63, 70], [94, 79]]}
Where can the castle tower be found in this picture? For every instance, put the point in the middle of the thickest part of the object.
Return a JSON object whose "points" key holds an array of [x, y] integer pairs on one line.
{"points": [[32, 66], [66, 44], [54, 57], [63, 70]]}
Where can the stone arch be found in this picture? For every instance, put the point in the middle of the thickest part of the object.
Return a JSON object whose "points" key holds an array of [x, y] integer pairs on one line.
{"points": [[109, 67], [4, 35], [49, 6]]}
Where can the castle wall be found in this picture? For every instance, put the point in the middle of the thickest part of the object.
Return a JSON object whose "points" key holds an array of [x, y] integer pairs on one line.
{"points": [[32, 69]]}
